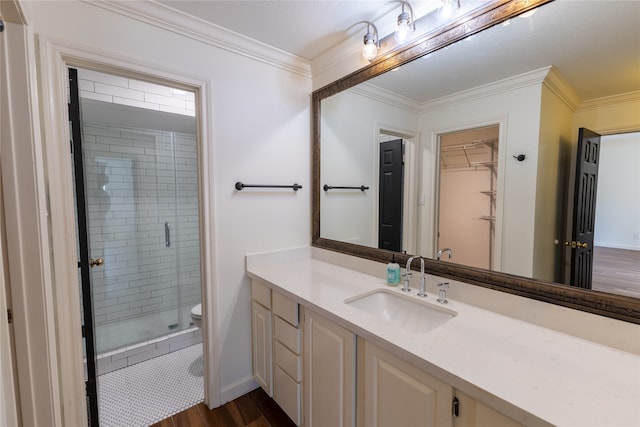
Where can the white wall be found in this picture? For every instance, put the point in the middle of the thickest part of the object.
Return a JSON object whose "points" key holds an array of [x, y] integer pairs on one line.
{"points": [[353, 147], [518, 111], [618, 198], [260, 130]]}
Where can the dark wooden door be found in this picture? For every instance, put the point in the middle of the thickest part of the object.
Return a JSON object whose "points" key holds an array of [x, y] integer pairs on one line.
{"points": [[390, 198], [584, 208]]}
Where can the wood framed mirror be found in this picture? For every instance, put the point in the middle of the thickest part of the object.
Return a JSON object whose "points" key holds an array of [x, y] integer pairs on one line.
{"points": [[619, 307]]}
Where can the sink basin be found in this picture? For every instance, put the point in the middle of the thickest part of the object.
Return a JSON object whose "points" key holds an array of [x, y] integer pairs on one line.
{"points": [[403, 311]]}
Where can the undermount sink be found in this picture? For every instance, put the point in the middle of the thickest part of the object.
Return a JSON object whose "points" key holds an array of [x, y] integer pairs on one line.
{"points": [[403, 311]]}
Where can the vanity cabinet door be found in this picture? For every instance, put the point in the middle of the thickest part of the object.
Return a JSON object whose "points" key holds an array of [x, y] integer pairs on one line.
{"points": [[262, 345], [397, 394], [473, 413], [329, 372]]}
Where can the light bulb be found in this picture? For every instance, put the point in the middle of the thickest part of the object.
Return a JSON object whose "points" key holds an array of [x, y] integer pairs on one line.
{"points": [[404, 27], [447, 9], [370, 50]]}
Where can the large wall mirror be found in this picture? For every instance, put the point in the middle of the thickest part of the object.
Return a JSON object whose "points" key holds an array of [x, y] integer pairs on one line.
{"points": [[466, 140]]}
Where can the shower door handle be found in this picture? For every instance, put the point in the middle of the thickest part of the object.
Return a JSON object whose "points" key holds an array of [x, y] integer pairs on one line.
{"points": [[95, 262], [167, 235]]}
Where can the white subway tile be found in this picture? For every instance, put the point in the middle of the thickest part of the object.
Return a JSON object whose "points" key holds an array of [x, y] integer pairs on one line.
{"points": [[134, 103], [164, 100], [119, 92], [97, 96], [150, 87], [97, 76], [177, 110], [85, 85]]}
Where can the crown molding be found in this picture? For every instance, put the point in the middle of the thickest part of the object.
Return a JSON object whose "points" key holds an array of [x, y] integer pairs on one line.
{"points": [[387, 97], [531, 78], [14, 11], [561, 88], [608, 101], [165, 17]]}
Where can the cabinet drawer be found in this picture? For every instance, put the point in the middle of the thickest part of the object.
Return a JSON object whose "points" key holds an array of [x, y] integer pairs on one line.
{"points": [[286, 309], [261, 293], [288, 335], [286, 392], [290, 362]]}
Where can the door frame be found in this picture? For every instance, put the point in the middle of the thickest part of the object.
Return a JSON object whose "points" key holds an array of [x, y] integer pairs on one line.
{"points": [[500, 185], [410, 191], [9, 414], [568, 229], [37, 397], [54, 59]]}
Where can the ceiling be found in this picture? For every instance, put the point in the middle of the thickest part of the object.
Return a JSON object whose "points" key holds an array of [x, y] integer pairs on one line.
{"points": [[305, 28], [594, 44]]}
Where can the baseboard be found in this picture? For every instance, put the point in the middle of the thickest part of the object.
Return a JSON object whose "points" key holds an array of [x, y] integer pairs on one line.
{"points": [[238, 389], [616, 246]]}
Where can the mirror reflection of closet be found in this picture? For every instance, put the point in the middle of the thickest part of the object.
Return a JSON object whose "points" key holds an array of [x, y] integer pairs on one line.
{"points": [[467, 196]]}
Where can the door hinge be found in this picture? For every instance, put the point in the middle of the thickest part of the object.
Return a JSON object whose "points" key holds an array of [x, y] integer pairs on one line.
{"points": [[455, 407], [10, 315]]}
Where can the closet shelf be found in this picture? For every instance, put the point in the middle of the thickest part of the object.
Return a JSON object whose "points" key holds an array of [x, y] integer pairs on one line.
{"points": [[472, 154]]}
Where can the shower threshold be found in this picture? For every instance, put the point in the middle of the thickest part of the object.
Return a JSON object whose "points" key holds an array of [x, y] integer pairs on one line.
{"points": [[128, 356]]}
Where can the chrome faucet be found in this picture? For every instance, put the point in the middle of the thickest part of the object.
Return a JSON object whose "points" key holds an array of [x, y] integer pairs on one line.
{"points": [[407, 277], [441, 251]]}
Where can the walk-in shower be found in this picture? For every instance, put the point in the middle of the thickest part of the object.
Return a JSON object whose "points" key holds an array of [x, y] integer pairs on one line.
{"points": [[141, 198]]}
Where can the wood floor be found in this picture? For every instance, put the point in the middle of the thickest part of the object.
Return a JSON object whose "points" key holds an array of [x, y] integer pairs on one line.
{"points": [[616, 271], [254, 409]]}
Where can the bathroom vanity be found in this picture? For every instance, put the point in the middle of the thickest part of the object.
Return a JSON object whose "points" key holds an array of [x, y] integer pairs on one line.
{"points": [[337, 346]]}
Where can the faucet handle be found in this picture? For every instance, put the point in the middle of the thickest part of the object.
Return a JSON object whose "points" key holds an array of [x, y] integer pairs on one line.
{"points": [[405, 285], [442, 292]]}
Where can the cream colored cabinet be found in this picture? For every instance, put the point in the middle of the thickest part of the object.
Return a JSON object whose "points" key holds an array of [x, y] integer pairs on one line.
{"points": [[476, 414], [277, 348], [329, 372], [262, 337], [395, 393], [287, 356], [390, 391]]}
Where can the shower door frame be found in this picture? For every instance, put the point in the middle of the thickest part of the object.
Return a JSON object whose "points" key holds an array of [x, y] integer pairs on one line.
{"points": [[55, 58], [88, 327]]}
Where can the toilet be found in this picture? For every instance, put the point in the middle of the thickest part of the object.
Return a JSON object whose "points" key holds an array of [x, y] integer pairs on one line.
{"points": [[196, 315]]}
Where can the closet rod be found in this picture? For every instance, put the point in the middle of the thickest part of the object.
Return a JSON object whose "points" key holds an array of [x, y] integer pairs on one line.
{"points": [[329, 187], [470, 145], [240, 186]]}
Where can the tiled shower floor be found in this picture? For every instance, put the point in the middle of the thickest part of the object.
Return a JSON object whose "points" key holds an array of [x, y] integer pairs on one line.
{"points": [[150, 391]]}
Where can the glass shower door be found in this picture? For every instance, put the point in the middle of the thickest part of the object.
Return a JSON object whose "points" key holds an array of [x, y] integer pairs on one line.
{"points": [[141, 197], [135, 225]]}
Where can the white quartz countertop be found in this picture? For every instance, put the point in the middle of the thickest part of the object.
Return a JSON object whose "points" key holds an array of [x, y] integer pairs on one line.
{"points": [[535, 375]]}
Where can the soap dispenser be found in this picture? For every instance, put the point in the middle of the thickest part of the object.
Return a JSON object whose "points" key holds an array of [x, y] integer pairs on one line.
{"points": [[393, 272]]}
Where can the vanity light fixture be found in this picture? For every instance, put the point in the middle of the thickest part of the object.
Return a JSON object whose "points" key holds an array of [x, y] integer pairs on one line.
{"points": [[371, 43], [406, 23], [448, 8]]}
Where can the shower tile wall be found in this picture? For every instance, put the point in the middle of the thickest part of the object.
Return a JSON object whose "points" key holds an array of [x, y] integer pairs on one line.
{"points": [[132, 190]]}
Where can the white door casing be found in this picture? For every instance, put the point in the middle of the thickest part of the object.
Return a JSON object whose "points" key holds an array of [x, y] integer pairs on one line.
{"points": [[54, 60]]}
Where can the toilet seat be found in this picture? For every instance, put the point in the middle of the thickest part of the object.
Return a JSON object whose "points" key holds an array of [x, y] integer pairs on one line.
{"points": [[196, 311]]}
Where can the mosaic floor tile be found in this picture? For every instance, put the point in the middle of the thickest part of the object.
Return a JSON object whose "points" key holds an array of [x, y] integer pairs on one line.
{"points": [[147, 392]]}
